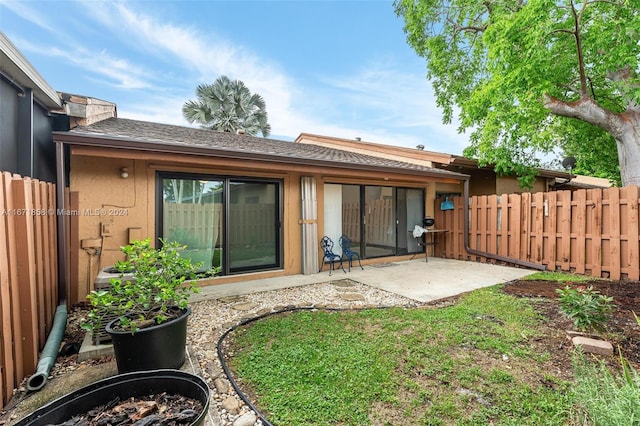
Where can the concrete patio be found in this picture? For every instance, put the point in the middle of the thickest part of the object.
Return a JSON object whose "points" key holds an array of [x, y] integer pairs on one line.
{"points": [[416, 279]]}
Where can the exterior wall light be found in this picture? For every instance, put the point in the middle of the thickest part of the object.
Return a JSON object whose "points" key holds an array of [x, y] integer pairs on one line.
{"points": [[124, 172]]}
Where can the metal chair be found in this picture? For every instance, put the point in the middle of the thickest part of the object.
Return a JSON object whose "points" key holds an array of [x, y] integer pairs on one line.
{"points": [[345, 243], [326, 244]]}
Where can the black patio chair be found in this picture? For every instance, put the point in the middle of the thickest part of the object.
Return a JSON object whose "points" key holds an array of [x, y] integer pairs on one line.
{"points": [[326, 244], [345, 243]]}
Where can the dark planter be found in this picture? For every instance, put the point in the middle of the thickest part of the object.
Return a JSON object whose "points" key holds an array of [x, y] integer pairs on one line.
{"points": [[150, 348], [122, 386]]}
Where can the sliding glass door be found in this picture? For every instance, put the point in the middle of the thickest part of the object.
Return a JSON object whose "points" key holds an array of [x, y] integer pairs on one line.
{"points": [[253, 225], [192, 215], [230, 223], [378, 219]]}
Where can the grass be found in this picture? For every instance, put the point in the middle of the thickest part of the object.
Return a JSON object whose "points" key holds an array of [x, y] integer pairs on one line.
{"points": [[557, 276], [469, 364], [604, 397]]}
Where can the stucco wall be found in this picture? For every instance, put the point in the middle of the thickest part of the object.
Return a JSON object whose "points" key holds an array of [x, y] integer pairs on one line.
{"points": [[127, 207], [109, 210], [510, 185]]}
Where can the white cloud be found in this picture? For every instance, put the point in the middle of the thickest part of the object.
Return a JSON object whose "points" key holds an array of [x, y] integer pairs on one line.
{"points": [[119, 72], [30, 14], [381, 103]]}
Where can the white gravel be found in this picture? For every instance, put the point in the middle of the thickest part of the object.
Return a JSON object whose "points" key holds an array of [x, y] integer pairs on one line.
{"points": [[211, 318]]}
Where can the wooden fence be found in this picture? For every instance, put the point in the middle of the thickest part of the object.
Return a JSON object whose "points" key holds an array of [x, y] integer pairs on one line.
{"points": [[28, 275], [379, 219], [593, 232], [200, 224]]}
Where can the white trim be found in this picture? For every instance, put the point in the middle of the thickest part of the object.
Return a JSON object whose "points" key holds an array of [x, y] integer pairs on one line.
{"points": [[13, 63]]}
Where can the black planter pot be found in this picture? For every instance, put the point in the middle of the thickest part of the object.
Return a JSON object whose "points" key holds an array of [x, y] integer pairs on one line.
{"points": [[122, 386], [150, 348]]}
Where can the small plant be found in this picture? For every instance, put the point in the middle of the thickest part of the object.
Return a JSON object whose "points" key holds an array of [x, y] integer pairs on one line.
{"points": [[588, 309], [162, 281]]}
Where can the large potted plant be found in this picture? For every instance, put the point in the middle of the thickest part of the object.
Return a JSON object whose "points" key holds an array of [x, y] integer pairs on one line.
{"points": [[148, 314]]}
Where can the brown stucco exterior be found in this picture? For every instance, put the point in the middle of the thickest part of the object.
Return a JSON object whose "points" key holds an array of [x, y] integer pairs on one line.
{"points": [[110, 210]]}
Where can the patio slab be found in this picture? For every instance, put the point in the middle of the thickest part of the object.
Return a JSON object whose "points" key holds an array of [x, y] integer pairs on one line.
{"points": [[416, 279]]}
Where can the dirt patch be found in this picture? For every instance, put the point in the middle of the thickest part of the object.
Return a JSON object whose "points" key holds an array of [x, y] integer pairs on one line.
{"points": [[622, 330]]}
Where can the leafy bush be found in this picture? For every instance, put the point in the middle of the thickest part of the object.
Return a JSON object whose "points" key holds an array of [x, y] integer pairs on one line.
{"points": [[588, 309], [162, 280]]}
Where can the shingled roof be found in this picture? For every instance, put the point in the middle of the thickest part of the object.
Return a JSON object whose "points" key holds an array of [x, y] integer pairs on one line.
{"points": [[142, 135]]}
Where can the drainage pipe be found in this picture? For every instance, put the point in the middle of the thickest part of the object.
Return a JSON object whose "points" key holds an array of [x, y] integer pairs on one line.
{"points": [[518, 262], [50, 350]]}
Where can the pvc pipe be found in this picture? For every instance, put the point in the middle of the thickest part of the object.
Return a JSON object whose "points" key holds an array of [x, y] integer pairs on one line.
{"points": [[50, 350], [484, 253]]}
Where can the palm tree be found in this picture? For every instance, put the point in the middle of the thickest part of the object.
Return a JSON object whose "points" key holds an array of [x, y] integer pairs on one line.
{"points": [[228, 106]]}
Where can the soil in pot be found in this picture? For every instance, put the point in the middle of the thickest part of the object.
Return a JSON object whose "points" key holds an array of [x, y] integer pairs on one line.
{"points": [[159, 409], [145, 398]]}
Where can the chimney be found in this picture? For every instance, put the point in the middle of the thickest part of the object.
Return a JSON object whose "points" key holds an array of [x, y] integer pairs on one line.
{"points": [[84, 111], [420, 147]]}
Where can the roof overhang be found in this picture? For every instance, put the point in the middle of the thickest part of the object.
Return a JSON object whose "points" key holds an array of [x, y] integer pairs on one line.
{"points": [[77, 138], [20, 71]]}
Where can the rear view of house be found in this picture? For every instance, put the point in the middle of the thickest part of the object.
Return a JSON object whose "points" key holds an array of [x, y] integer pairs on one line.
{"points": [[251, 206]]}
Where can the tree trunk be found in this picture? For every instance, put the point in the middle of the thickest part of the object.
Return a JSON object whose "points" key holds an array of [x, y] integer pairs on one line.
{"points": [[629, 153], [624, 127]]}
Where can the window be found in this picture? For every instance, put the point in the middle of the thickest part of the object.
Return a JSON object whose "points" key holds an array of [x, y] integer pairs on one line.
{"points": [[230, 223]]}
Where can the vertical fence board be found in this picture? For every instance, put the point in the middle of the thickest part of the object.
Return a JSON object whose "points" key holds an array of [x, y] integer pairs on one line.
{"points": [[630, 193], [514, 209], [16, 324], [26, 274], [579, 231], [613, 195], [35, 217], [552, 231], [47, 213], [564, 198], [53, 245], [596, 234], [492, 246], [538, 227], [525, 226], [7, 371], [503, 225], [473, 225], [482, 225]]}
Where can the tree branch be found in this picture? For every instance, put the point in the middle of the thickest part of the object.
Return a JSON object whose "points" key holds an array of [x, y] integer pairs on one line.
{"points": [[585, 109], [584, 89]]}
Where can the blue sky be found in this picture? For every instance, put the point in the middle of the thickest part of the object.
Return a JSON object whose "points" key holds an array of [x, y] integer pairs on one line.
{"points": [[335, 68]]}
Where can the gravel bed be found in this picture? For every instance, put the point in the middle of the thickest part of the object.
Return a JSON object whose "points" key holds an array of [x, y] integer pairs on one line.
{"points": [[211, 318]]}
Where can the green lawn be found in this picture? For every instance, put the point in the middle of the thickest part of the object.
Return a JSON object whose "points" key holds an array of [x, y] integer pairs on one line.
{"points": [[472, 363]]}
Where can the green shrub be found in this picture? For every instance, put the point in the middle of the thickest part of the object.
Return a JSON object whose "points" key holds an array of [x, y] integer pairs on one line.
{"points": [[163, 279], [588, 309]]}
